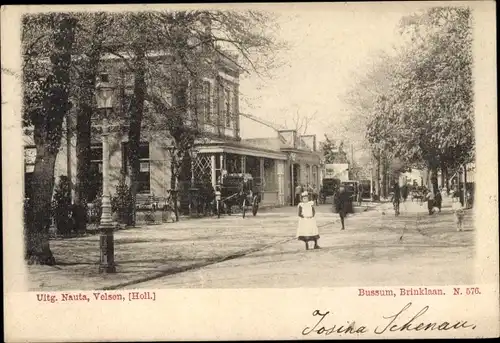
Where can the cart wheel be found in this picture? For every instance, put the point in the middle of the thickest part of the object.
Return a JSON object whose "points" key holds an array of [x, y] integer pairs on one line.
{"points": [[255, 205], [219, 205], [244, 207]]}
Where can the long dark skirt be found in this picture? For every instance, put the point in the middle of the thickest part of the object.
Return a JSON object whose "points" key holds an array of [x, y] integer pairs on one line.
{"points": [[308, 238]]}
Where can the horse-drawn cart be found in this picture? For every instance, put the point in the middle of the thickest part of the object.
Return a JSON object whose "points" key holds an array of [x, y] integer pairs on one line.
{"points": [[237, 190]]}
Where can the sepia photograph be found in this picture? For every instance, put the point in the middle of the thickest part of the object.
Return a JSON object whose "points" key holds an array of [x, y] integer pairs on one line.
{"points": [[243, 148]]}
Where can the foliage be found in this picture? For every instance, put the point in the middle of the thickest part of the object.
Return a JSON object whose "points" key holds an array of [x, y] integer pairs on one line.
{"points": [[333, 152], [46, 88], [46, 102], [90, 42], [96, 210], [426, 116], [122, 202], [61, 206]]}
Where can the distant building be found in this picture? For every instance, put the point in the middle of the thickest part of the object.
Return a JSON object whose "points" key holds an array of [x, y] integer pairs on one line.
{"points": [[414, 177], [299, 162]]}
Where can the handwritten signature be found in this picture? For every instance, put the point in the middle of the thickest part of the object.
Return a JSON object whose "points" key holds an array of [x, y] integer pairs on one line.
{"points": [[393, 323]]}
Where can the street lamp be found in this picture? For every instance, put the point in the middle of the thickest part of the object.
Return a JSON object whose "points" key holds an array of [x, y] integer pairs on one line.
{"points": [[104, 98]]}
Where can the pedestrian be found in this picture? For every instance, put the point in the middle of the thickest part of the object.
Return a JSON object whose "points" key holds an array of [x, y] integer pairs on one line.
{"points": [[438, 201], [396, 197], [430, 201], [468, 199], [307, 229], [315, 194], [309, 190], [404, 192], [341, 202], [458, 210], [298, 191]]}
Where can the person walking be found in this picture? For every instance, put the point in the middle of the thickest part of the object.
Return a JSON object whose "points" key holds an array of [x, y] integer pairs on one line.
{"points": [[430, 201], [298, 191], [438, 201], [359, 195], [341, 204], [315, 195], [307, 229], [404, 192], [396, 197], [458, 210]]}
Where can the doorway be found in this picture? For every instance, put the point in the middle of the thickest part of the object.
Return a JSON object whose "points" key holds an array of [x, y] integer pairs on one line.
{"points": [[294, 177]]}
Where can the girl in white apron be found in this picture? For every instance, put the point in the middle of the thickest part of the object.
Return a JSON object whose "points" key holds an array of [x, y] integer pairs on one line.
{"points": [[307, 229]]}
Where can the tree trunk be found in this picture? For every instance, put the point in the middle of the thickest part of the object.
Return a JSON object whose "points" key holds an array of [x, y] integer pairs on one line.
{"points": [[134, 134], [383, 172], [377, 176], [47, 136], [433, 178], [84, 122], [83, 127], [443, 168], [464, 193], [447, 179], [38, 248], [465, 174]]}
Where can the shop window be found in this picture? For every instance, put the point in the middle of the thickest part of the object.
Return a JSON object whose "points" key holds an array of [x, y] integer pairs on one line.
{"points": [[144, 177]]}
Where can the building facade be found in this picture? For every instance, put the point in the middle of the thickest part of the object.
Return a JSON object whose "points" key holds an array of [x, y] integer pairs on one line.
{"points": [[278, 162]]}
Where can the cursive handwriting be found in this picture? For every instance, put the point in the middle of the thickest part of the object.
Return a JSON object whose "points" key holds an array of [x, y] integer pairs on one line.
{"points": [[410, 325], [322, 330], [395, 323]]}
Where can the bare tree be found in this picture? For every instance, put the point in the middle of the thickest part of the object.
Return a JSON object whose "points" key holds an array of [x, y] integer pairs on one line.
{"points": [[300, 122]]}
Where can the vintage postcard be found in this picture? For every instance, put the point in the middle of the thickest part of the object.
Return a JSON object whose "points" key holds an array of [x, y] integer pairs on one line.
{"points": [[250, 171]]}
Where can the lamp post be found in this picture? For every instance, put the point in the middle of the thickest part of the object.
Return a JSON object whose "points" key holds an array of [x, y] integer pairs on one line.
{"points": [[292, 159], [104, 97]]}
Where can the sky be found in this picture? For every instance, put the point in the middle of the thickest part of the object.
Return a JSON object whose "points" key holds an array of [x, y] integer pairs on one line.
{"points": [[328, 48]]}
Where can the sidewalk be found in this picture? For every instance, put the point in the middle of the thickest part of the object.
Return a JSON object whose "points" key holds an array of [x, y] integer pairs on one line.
{"points": [[152, 251]]}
